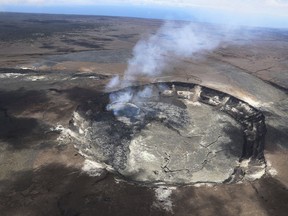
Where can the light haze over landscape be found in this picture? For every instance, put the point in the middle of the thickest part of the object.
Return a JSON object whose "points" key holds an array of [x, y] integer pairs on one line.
{"points": [[267, 13]]}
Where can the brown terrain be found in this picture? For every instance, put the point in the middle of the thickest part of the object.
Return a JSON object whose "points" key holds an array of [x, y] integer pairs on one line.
{"points": [[51, 64]]}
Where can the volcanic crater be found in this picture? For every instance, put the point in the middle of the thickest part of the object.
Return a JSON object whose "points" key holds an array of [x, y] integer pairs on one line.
{"points": [[172, 133]]}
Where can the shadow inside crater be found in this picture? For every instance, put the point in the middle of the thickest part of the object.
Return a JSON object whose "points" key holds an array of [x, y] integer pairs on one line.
{"points": [[276, 136], [236, 145]]}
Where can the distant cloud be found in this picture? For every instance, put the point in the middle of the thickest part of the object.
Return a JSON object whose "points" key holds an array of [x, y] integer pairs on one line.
{"points": [[257, 6], [213, 3], [46, 2], [248, 12]]}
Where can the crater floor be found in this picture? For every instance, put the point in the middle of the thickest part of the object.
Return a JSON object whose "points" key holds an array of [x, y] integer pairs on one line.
{"points": [[200, 151], [169, 137]]}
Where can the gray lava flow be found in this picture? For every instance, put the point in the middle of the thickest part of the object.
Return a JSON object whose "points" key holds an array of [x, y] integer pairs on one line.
{"points": [[172, 133]]}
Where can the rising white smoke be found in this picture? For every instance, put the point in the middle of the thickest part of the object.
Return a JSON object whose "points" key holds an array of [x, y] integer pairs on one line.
{"points": [[174, 40], [151, 56]]}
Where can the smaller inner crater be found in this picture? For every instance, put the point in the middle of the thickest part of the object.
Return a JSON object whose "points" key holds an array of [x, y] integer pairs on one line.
{"points": [[171, 133]]}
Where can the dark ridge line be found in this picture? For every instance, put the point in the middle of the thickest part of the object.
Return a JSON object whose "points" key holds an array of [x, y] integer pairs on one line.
{"points": [[278, 86]]}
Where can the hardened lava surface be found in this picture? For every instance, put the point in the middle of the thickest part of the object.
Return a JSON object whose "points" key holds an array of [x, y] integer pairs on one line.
{"points": [[171, 133]]}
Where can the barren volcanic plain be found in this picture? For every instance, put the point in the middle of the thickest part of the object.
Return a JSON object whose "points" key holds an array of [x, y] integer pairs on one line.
{"points": [[207, 136]]}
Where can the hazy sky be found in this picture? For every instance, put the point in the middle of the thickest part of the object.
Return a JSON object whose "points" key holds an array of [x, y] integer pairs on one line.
{"points": [[272, 13]]}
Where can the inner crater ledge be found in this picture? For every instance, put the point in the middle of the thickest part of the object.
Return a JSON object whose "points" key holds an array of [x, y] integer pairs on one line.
{"points": [[172, 133]]}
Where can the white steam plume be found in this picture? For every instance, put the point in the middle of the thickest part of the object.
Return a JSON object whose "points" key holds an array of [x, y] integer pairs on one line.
{"points": [[172, 40]]}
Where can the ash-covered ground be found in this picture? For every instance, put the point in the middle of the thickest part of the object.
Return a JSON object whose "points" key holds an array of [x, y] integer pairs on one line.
{"points": [[55, 67]]}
